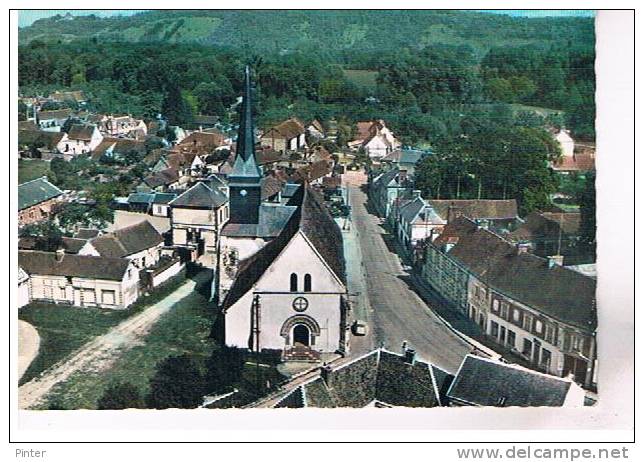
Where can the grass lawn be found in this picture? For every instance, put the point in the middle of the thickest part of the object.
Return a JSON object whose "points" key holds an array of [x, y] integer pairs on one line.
{"points": [[30, 169], [184, 329], [63, 328]]}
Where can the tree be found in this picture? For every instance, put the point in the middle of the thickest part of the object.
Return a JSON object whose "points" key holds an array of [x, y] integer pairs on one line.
{"points": [[587, 209], [121, 395], [47, 234], [177, 383], [224, 369], [175, 107]]}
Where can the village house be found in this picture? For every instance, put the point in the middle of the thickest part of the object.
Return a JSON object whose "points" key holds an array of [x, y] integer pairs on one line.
{"points": [[117, 148], [417, 221], [387, 188], [530, 306], [81, 280], [375, 138], [198, 215], [140, 243], [552, 233], [155, 204], [81, 139], [52, 121], [485, 382], [567, 144], [501, 214], [202, 142], [162, 181], [285, 136], [37, 200], [125, 125], [316, 130], [404, 159]]}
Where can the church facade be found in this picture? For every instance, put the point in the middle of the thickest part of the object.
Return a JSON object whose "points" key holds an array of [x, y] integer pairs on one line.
{"points": [[282, 282]]}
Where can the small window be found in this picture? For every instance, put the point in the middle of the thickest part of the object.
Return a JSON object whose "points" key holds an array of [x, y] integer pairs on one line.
{"points": [[527, 347], [494, 329], [516, 315], [307, 283], [538, 326], [293, 282], [546, 357], [502, 337], [495, 306], [512, 338], [504, 310]]}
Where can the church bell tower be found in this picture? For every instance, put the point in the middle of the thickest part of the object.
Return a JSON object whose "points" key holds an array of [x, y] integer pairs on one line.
{"points": [[244, 181]]}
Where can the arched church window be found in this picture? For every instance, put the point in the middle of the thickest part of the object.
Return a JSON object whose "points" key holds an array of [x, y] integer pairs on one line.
{"points": [[293, 282], [307, 283]]}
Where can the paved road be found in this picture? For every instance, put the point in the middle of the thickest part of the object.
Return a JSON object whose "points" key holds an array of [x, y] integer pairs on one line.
{"points": [[395, 313]]}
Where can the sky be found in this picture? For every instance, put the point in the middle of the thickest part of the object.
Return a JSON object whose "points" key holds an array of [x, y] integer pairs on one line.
{"points": [[27, 17]]}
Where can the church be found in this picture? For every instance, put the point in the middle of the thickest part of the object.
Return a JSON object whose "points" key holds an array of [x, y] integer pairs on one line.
{"points": [[282, 282]]}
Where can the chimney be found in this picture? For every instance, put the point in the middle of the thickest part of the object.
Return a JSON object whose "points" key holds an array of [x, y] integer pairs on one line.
{"points": [[60, 254], [410, 356], [522, 248], [555, 260], [453, 212]]}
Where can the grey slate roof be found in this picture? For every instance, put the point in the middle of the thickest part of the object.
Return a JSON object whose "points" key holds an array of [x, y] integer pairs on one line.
{"points": [[245, 165], [484, 382], [200, 196], [377, 376], [84, 266], [127, 241], [36, 191], [272, 220], [311, 217], [412, 209]]}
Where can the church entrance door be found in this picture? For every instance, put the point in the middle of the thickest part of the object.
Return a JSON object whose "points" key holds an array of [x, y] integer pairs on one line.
{"points": [[301, 335]]}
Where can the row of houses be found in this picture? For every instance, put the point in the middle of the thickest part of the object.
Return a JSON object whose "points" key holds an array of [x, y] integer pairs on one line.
{"points": [[505, 273], [93, 269], [385, 379], [530, 306]]}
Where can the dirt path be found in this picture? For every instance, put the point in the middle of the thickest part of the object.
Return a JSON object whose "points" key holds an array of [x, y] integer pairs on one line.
{"points": [[28, 343], [99, 353]]}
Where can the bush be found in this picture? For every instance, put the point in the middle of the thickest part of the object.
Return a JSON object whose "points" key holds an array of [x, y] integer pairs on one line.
{"points": [[121, 396], [178, 383]]}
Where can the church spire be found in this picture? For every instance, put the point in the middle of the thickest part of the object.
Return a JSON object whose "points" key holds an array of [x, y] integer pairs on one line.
{"points": [[245, 163], [244, 181]]}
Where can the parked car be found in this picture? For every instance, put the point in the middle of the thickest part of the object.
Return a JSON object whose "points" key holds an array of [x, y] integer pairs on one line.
{"points": [[359, 328]]}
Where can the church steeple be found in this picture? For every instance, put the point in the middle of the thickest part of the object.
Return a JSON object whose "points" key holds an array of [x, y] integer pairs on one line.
{"points": [[245, 164], [245, 179]]}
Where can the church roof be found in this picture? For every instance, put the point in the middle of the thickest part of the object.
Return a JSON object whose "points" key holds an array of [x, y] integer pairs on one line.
{"points": [[318, 226], [245, 165]]}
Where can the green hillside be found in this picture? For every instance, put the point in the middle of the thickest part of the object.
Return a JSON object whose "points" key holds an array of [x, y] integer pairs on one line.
{"points": [[329, 32]]}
